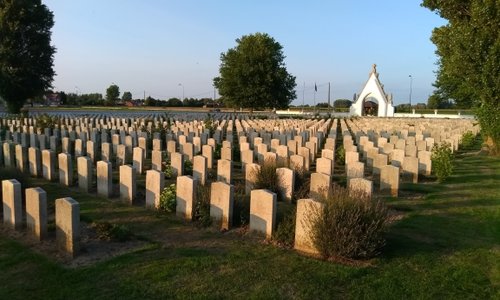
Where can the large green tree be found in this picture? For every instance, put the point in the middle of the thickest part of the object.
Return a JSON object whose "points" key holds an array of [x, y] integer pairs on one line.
{"points": [[469, 59], [253, 74], [127, 96], [26, 56], [112, 93]]}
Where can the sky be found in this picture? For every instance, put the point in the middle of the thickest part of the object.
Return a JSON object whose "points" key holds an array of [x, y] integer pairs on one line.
{"points": [[171, 48]]}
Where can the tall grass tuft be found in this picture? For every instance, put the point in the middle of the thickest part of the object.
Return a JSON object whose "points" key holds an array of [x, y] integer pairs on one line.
{"points": [[350, 225]]}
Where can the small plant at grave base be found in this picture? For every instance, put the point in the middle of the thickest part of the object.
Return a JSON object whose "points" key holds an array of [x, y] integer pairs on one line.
{"points": [[107, 231], [188, 167], [302, 184], [217, 151], [46, 121], [202, 206], [467, 140], [266, 177], [168, 198], [340, 157], [209, 124], [285, 231], [442, 161], [350, 225], [166, 167], [241, 206]]}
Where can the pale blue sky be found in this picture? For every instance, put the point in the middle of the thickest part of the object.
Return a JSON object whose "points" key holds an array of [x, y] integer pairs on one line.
{"points": [[155, 45]]}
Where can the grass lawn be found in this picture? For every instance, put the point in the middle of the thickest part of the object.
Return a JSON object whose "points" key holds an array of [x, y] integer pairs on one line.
{"points": [[446, 245]]}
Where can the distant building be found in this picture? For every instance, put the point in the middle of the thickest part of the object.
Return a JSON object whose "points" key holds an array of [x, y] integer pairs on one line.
{"points": [[373, 101], [53, 99]]}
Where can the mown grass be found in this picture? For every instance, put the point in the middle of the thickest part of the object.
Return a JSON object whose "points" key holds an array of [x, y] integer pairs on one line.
{"points": [[446, 246]]}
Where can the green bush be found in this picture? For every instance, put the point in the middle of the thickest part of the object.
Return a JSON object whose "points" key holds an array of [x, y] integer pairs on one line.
{"points": [[168, 200], [340, 157], [467, 140], [188, 167], [266, 178], [202, 206], [351, 225], [302, 184], [107, 231], [285, 231], [217, 151], [241, 206], [442, 161]]}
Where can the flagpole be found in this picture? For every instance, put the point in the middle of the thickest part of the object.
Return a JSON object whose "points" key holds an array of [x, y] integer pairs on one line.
{"points": [[314, 98], [303, 96], [328, 95]]}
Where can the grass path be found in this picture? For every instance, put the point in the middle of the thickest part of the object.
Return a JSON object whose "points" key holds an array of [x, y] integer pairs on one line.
{"points": [[447, 245]]}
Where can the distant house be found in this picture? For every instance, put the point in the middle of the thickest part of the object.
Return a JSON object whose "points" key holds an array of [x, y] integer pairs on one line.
{"points": [[132, 103], [53, 99]]}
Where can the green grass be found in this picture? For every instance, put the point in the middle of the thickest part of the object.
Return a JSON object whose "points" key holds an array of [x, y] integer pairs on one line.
{"points": [[446, 246]]}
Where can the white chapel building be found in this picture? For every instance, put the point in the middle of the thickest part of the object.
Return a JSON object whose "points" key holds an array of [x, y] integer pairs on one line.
{"points": [[373, 101]]}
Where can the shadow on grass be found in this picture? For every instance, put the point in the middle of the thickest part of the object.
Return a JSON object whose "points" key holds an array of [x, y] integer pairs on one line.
{"points": [[462, 213]]}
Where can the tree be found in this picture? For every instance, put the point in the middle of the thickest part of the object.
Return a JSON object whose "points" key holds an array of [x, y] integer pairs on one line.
{"points": [[436, 100], [112, 93], [127, 96], [253, 74], [26, 56], [173, 102], [469, 59], [342, 103]]}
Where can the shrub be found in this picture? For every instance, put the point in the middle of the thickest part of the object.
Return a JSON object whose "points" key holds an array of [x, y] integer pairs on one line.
{"points": [[217, 151], [266, 178], [285, 231], [168, 198], [340, 157], [467, 140], [441, 161], [188, 167], [241, 207], [302, 184], [202, 206], [107, 231], [350, 225]]}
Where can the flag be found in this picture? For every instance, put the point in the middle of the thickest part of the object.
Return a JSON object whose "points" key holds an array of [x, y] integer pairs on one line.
{"points": [[315, 87]]}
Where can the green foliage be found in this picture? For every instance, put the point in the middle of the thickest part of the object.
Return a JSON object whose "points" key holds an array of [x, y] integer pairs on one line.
{"points": [[26, 56], [127, 96], [166, 167], [253, 74], [489, 120], [340, 156], [188, 167], [168, 200], [469, 59], [342, 103], [436, 101], [468, 139], [217, 151], [209, 124], [285, 231], [266, 178], [302, 184], [46, 121], [351, 225], [111, 232], [202, 206], [442, 161], [112, 93]]}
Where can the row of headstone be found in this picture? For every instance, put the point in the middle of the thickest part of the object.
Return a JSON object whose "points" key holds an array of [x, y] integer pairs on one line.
{"points": [[67, 214]]}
